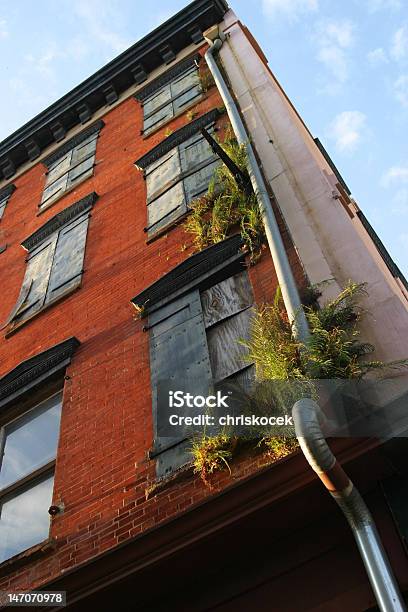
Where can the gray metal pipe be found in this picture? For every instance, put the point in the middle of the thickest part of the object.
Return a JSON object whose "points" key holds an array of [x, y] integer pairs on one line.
{"points": [[283, 270], [306, 413], [307, 417]]}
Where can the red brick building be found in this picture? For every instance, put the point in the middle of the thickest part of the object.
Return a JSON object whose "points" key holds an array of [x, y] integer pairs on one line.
{"points": [[93, 195]]}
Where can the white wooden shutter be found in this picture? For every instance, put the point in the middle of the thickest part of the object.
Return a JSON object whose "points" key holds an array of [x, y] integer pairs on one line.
{"points": [[82, 161], [194, 151], [3, 203], [164, 202], [37, 275], [166, 208], [57, 179], [199, 162], [157, 109], [161, 173], [196, 185], [184, 89], [67, 267]]}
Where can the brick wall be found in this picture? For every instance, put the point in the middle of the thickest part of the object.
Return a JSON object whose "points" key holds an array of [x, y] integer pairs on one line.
{"points": [[102, 470]]}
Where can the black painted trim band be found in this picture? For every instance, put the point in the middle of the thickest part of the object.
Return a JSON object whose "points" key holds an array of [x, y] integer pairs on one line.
{"points": [[6, 192], [177, 138], [73, 142], [59, 220], [167, 77], [136, 63], [28, 371], [386, 257], [192, 269]]}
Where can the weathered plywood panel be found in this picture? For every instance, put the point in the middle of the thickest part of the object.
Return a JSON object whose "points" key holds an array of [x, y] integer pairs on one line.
{"points": [[227, 354], [226, 298]]}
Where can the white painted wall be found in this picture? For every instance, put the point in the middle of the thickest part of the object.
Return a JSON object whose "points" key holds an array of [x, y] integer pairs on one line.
{"points": [[329, 243]]}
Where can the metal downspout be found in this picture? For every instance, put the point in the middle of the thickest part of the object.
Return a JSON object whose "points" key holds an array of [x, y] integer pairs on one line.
{"points": [[306, 413]]}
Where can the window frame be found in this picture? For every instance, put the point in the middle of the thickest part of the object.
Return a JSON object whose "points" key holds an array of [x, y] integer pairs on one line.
{"points": [[68, 149], [201, 272], [171, 454], [5, 195], [164, 83], [39, 474], [174, 147], [75, 215]]}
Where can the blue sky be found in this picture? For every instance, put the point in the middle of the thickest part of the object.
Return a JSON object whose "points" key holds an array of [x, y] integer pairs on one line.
{"points": [[344, 64]]}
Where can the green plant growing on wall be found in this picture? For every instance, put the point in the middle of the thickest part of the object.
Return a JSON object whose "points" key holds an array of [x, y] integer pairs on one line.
{"points": [[226, 207], [335, 350], [190, 115], [211, 454], [206, 79]]}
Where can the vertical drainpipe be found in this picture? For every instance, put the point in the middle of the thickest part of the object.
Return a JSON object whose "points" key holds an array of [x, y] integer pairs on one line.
{"points": [[306, 413]]}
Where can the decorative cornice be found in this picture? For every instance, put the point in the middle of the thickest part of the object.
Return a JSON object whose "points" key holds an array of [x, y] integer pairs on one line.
{"points": [[6, 192], [177, 138], [61, 219], [189, 271], [167, 77], [132, 66], [73, 142], [35, 367]]}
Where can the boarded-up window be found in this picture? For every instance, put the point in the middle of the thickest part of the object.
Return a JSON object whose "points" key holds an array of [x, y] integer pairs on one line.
{"points": [[176, 179], [171, 99], [178, 361], [71, 168], [194, 345], [227, 315], [4, 198], [54, 268]]}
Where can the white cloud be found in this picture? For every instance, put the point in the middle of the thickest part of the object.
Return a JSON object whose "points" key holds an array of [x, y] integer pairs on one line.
{"points": [[101, 21], [290, 9], [347, 129], [395, 174], [399, 44], [333, 39], [401, 89], [43, 64], [378, 5], [377, 56], [3, 29], [400, 202]]}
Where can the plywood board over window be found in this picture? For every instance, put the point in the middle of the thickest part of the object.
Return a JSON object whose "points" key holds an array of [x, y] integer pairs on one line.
{"points": [[196, 338]]}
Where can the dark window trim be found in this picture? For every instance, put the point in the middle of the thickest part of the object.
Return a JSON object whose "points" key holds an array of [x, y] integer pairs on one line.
{"points": [[36, 369], [130, 67], [191, 272], [73, 142], [6, 191], [386, 257], [177, 138], [167, 77], [29, 480], [55, 223]]}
